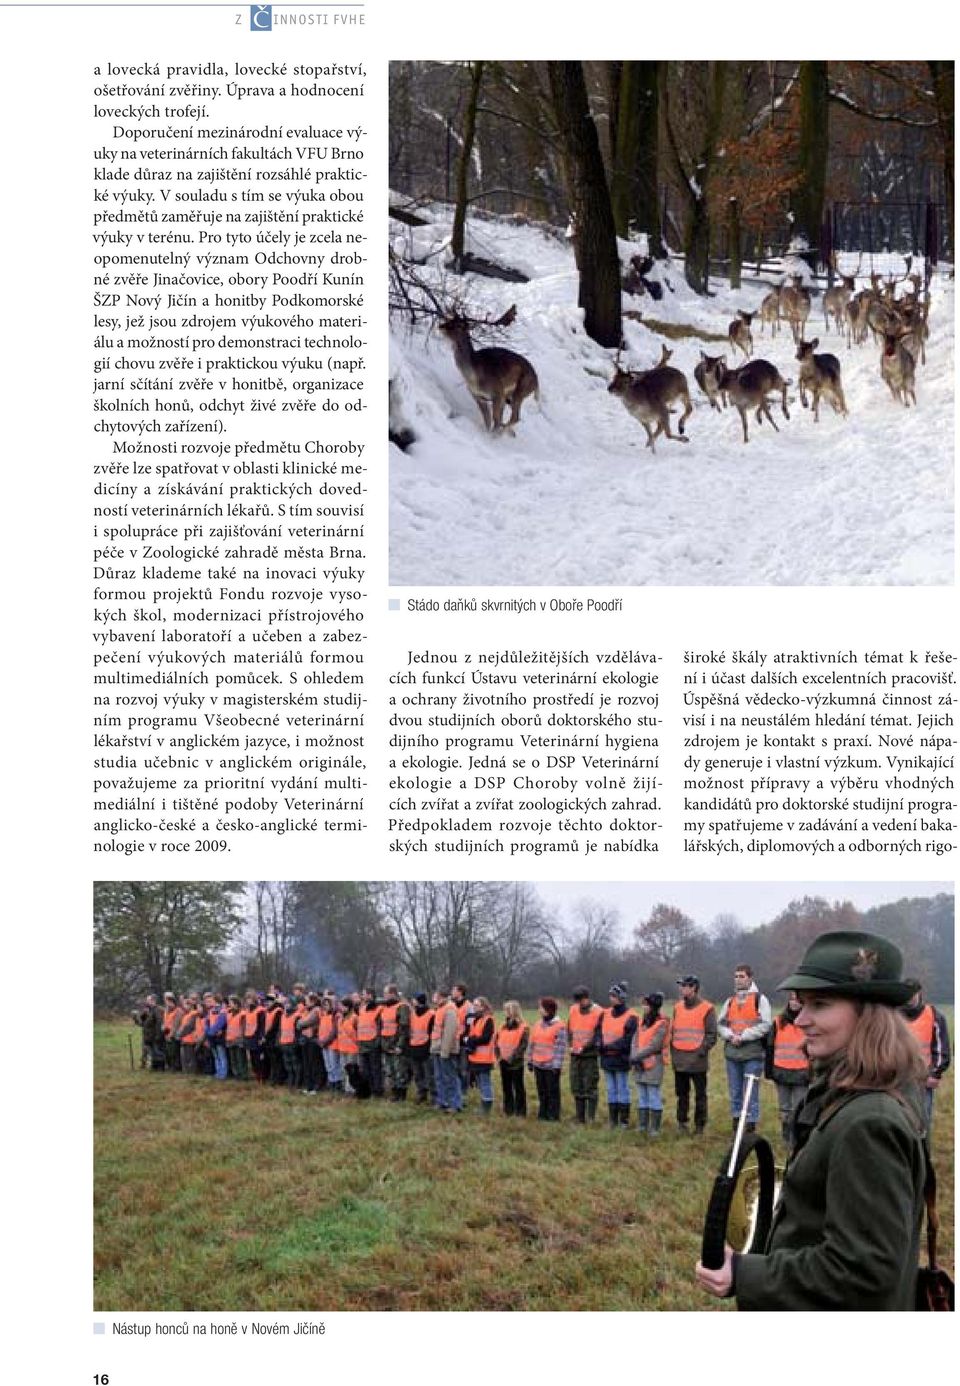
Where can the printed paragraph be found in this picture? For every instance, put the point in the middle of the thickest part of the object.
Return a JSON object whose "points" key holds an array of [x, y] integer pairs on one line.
{"points": [[847, 751], [525, 753], [229, 543]]}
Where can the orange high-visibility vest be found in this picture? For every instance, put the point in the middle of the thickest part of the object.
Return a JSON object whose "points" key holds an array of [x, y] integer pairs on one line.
{"points": [[251, 1019], [328, 1023], [644, 1036], [388, 1019], [582, 1025], [171, 1019], [788, 1051], [742, 1014], [234, 1026], [419, 1028], [196, 1034], [288, 1028], [542, 1042], [367, 1023], [688, 1025], [346, 1041], [308, 1026], [509, 1039], [483, 1053], [439, 1016], [612, 1026], [923, 1027]]}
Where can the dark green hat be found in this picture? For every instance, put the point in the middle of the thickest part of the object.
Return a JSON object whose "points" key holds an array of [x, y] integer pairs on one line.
{"points": [[864, 966]]}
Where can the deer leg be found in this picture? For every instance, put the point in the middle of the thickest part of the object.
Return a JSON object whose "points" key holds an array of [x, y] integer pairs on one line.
{"points": [[686, 414], [766, 409], [484, 407], [515, 401], [743, 419], [650, 435], [783, 402], [816, 404], [803, 392]]}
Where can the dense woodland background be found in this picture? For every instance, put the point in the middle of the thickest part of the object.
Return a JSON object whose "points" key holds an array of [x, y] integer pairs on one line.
{"points": [[722, 162], [500, 938]]}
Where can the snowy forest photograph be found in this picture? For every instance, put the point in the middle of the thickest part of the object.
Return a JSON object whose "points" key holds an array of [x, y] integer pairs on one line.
{"points": [[674, 323]]}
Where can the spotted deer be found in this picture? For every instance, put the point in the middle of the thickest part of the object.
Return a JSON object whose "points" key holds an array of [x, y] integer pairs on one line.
{"points": [[739, 335], [820, 376], [748, 388], [898, 368], [495, 376], [708, 373], [795, 305], [647, 396]]}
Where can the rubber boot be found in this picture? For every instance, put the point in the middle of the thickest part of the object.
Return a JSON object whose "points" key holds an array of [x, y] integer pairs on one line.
{"points": [[401, 1094], [614, 1110], [591, 1108], [751, 1127], [698, 1130], [683, 1127], [421, 1098], [643, 1120], [581, 1103], [624, 1113], [656, 1119]]}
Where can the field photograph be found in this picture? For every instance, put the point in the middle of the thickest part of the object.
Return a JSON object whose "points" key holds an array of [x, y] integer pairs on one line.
{"points": [[245, 1192], [671, 323]]}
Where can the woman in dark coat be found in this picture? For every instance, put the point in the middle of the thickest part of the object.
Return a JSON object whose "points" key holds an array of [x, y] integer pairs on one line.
{"points": [[846, 1230]]}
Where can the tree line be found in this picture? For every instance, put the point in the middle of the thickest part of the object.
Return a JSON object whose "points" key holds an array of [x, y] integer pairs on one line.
{"points": [[681, 152], [500, 938]]}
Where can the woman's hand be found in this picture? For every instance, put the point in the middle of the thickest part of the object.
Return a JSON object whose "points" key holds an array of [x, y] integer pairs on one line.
{"points": [[717, 1282]]}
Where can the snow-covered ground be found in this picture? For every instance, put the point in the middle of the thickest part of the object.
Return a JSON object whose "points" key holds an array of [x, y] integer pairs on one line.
{"points": [[577, 498]]}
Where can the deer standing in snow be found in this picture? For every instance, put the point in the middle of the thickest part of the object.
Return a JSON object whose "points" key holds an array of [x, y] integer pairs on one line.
{"points": [[494, 376]]}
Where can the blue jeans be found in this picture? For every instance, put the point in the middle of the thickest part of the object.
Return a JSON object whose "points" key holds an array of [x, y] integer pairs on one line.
{"points": [[447, 1075], [737, 1083], [221, 1061], [618, 1087], [484, 1081], [331, 1062], [649, 1097]]}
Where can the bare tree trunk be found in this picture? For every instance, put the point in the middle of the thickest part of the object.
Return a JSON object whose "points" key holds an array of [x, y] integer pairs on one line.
{"points": [[942, 77], [463, 167], [634, 137], [694, 181], [594, 230], [814, 147], [733, 235]]}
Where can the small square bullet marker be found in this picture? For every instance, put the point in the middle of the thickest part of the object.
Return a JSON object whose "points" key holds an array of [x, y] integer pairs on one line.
{"points": [[393, 604], [99, 1328]]}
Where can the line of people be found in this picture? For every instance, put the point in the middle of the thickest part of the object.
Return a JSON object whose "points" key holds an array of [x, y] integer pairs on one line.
{"points": [[369, 1046]]}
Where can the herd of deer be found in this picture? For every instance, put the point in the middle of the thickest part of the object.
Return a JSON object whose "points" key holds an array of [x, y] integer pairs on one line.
{"points": [[497, 377]]}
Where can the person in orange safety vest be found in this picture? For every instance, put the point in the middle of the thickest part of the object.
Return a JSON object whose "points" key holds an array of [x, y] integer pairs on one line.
{"points": [[787, 1064], [929, 1028]]}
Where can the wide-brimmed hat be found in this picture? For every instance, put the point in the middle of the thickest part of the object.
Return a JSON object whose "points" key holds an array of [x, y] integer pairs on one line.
{"points": [[850, 963]]}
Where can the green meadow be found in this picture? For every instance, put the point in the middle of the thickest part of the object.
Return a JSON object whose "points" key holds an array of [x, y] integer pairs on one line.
{"points": [[224, 1196]]}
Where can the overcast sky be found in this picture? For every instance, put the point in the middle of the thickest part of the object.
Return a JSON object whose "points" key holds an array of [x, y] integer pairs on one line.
{"points": [[753, 902]]}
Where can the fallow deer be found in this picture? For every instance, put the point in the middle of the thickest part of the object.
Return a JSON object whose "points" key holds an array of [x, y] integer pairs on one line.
{"points": [[494, 376]]}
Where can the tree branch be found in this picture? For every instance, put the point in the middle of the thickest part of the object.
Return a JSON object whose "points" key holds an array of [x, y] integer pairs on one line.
{"points": [[842, 98]]}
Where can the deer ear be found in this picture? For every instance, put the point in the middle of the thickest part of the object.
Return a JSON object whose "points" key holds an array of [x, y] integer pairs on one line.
{"points": [[815, 343]]}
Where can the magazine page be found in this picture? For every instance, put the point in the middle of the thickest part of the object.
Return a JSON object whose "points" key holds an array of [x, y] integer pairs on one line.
{"points": [[483, 725]]}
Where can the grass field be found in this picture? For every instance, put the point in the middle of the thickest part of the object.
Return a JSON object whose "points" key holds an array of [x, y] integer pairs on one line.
{"points": [[216, 1196]]}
